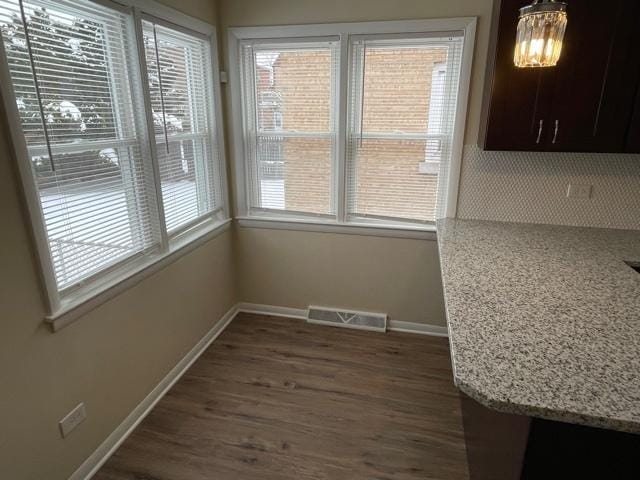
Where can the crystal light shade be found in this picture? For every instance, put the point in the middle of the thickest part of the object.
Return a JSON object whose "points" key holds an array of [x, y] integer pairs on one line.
{"points": [[540, 33]]}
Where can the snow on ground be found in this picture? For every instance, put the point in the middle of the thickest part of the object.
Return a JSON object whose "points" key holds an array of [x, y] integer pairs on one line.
{"points": [[90, 229]]}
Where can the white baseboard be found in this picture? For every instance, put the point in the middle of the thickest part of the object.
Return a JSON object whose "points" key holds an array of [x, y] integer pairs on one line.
{"points": [[92, 464], [420, 328], [299, 313]]}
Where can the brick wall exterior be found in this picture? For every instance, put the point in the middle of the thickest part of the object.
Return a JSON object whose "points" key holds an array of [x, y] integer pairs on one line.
{"points": [[388, 184], [396, 98], [397, 91], [304, 80]]}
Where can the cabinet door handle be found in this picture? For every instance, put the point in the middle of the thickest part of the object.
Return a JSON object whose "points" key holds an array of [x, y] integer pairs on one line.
{"points": [[539, 131], [555, 132]]}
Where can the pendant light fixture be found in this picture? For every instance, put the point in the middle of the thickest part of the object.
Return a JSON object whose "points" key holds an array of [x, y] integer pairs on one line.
{"points": [[540, 32]]}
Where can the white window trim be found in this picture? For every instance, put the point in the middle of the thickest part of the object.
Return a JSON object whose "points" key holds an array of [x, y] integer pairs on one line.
{"points": [[217, 134], [258, 132], [345, 31], [62, 311], [371, 229]]}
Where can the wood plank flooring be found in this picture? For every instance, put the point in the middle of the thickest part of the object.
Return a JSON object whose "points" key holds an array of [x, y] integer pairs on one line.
{"points": [[276, 398]]}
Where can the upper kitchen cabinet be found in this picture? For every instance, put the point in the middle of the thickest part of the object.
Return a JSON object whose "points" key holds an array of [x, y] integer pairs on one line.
{"points": [[633, 139], [583, 104]]}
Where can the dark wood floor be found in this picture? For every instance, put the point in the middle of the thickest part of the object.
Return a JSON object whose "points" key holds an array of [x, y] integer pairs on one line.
{"points": [[276, 398]]}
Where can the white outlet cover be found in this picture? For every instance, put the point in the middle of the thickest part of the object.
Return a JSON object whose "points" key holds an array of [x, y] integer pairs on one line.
{"points": [[72, 419], [575, 190]]}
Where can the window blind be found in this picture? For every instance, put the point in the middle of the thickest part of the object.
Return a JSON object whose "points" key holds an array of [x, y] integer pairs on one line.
{"points": [[289, 92], [71, 72], [403, 99], [178, 68]]}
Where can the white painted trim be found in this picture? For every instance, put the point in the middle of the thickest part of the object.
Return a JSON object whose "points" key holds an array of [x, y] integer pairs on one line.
{"points": [[341, 106], [234, 83], [420, 328], [274, 310], [453, 178], [119, 281], [142, 74], [354, 28], [426, 233], [92, 464], [219, 124]]}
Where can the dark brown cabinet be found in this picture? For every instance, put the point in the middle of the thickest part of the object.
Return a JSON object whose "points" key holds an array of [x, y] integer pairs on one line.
{"points": [[587, 103], [633, 137]]}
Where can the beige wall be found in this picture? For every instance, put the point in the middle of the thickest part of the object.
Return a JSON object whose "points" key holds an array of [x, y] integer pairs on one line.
{"points": [[111, 358], [400, 277], [205, 10]]}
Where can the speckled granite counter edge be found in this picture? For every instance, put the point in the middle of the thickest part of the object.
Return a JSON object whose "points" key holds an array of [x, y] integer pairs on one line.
{"points": [[544, 413], [518, 408]]}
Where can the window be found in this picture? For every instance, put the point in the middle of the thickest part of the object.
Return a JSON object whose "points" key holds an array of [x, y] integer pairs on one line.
{"points": [[289, 93], [108, 196], [402, 108], [364, 121], [179, 73]]}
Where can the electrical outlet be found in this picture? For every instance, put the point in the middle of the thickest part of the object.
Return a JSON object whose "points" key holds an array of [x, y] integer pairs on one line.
{"points": [[575, 190], [72, 419]]}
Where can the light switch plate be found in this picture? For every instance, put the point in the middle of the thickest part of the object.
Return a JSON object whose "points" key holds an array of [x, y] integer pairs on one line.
{"points": [[576, 190], [74, 418]]}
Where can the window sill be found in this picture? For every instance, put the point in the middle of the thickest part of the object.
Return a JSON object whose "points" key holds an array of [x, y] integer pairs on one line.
{"points": [[77, 304], [427, 232]]}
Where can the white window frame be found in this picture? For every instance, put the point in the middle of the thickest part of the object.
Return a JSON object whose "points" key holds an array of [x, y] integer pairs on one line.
{"points": [[64, 309], [159, 139], [346, 31], [258, 133]]}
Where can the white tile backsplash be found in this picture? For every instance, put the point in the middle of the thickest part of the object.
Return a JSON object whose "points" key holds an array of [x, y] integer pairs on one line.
{"points": [[532, 187]]}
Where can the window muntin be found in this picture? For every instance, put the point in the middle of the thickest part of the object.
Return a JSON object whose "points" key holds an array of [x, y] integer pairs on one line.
{"points": [[181, 101], [402, 109], [92, 181], [290, 126]]}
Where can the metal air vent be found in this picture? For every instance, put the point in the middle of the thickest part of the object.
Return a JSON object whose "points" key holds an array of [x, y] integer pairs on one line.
{"points": [[348, 318]]}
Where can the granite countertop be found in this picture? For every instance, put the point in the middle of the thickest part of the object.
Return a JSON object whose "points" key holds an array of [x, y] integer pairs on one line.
{"points": [[545, 320]]}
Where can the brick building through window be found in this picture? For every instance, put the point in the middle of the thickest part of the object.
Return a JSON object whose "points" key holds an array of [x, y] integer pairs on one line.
{"points": [[402, 94]]}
